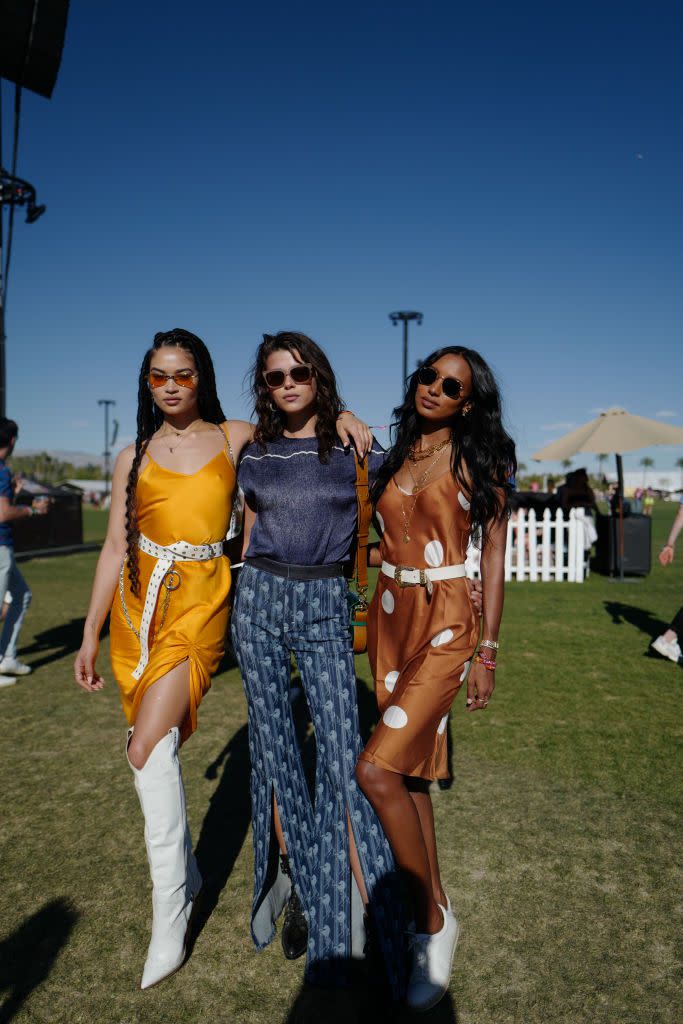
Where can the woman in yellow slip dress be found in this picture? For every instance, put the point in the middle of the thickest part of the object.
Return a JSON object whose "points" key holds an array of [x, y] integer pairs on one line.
{"points": [[446, 473], [163, 575]]}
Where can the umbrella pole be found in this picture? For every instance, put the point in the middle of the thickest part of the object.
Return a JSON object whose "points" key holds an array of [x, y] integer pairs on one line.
{"points": [[620, 542]]}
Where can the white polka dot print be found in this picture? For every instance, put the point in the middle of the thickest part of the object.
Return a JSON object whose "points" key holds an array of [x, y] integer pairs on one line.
{"points": [[442, 638], [463, 675], [388, 602], [395, 717], [434, 553], [463, 501], [380, 522], [442, 725], [390, 680]]}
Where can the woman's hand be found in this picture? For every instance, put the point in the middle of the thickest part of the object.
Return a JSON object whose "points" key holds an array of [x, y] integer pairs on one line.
{"points": [[351, 429], [476, 595], [481, 682], [85, 672], [666, 555]]}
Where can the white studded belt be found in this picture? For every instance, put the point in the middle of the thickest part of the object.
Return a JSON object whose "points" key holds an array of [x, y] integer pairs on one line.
{"points": [[408, 576], [164, 572]]}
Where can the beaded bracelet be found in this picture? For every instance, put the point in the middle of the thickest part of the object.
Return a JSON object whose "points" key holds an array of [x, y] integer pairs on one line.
{"points": [[490, 666]]}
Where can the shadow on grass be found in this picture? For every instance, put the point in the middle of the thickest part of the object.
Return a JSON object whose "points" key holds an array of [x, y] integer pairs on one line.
{"points": [[57, 642], [27, 956], [642, 619], [364, 1002], [224, 827]]}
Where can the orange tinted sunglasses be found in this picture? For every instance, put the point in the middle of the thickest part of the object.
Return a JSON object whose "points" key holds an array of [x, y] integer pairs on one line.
{"points": [[184, 379]]}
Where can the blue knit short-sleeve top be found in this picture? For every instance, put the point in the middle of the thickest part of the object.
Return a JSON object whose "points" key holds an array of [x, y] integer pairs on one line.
{"points": [[305, 509]]}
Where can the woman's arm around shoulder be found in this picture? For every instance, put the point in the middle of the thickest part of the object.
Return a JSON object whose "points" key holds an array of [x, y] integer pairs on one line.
{"points": [[106, 576], [240, 434]]}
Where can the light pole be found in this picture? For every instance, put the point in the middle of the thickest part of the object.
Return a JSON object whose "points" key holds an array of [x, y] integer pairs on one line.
{"points": [[404, 317], [106, 402], [13, 192]]}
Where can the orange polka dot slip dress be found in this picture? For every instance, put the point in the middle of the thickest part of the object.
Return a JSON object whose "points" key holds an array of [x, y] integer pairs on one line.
{"points": [[187, 623], [419, 643]]}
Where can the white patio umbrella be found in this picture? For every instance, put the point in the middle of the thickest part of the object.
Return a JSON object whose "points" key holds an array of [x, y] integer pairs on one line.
{"points": [[614, 431]]}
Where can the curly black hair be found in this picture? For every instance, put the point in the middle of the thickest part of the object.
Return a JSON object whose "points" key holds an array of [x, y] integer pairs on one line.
{"points": [[150, 419], [483, 459], [270, 420]]}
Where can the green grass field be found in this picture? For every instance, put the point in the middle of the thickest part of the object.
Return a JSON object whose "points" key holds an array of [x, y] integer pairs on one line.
{"points": [[560, 842]]}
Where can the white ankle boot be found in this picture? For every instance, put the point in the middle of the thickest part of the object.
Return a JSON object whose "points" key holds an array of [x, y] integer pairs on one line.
{"points": [[175, 877]]}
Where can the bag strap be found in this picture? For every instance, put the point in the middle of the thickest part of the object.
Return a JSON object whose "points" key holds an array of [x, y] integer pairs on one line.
{"points": [[360, 569]]}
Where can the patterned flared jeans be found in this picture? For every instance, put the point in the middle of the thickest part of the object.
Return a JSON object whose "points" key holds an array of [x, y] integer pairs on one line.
{"points": [[273, 618]]}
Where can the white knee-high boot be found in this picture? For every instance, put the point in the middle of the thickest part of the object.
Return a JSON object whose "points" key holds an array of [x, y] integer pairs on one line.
{"points": [[175, 876]]}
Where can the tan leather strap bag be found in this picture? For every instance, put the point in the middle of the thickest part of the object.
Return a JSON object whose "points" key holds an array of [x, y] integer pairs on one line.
{"points": [[359, 609]]}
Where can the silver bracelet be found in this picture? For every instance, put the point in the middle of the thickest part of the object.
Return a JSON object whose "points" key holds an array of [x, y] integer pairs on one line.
{"points": [[493, 644]]}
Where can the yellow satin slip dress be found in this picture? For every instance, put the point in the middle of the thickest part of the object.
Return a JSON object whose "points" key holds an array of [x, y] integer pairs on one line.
{"points": [[173, 507]]}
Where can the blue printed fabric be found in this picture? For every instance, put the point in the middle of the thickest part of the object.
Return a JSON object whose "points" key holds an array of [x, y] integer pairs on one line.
{"points": [[272, 618], [306, 509], [6, 491]]}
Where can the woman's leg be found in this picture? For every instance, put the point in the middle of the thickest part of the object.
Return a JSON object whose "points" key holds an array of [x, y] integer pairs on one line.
{"points": [[398, 813], [328, 675], [419, 792], [165, 704], [280, 798], [153, 757]]}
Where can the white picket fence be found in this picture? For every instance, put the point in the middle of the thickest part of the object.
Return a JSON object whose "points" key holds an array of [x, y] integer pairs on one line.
{"points": [[547, 547]]}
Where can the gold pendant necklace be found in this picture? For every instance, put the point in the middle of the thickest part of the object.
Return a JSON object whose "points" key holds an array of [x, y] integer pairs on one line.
{"points": [[180, 436], [417, 487]]}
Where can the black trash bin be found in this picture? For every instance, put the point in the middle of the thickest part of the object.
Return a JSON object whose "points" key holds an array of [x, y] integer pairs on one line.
{"points": [[637, 545], [61, 527]]}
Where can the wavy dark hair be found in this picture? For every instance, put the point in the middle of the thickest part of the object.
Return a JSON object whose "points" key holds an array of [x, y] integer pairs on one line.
{"points": [[150, 419], [483, 459], [271, 420]]}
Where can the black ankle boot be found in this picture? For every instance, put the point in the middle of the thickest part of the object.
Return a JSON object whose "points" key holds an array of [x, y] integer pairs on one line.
{"points": [[294, 936]]}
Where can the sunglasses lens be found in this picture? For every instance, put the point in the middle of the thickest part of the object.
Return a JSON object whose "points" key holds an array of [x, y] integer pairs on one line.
{"points": [[157, 380], [274, 378], [427, 375], [300, 374], [184, 380], [451, 387]]}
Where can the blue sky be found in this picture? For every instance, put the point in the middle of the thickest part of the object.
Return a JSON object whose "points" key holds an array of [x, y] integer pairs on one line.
{"points": [[512, 171]]}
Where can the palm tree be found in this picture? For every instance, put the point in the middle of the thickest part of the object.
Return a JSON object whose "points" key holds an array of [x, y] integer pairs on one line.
{"points": [[521, 468], [602, 459], [679, 465], [566, 464], [647, 463]]}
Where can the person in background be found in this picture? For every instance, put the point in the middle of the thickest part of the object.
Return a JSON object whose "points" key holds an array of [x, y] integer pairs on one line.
{"points": [[11, 579], [668, 644], [648, 502]]}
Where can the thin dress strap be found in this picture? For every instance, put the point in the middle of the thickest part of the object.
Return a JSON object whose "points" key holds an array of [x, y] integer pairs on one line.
{"points": [[224, 428]]}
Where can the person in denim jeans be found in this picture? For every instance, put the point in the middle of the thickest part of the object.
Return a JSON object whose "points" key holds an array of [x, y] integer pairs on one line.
{"points": [[11, 579]]}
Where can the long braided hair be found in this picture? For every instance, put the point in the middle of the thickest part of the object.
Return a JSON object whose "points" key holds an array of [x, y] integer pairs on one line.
{"points": [[271, 420], [483, 458], [150, 418]]}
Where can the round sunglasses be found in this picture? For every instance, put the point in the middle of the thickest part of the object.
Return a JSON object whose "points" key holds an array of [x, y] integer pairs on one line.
{"points": [[451, 386], [301, 373]]}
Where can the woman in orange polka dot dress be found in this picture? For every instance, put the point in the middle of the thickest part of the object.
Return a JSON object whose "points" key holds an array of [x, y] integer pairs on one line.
{"points": [[446, 474]]}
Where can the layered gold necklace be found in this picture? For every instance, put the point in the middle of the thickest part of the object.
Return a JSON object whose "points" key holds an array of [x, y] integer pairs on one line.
{"points": [[418, 483], [425, 453]]}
